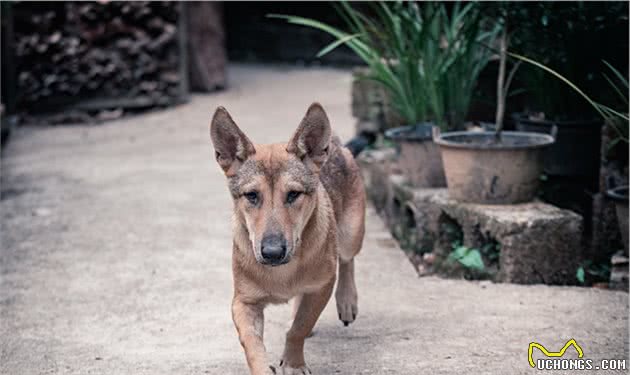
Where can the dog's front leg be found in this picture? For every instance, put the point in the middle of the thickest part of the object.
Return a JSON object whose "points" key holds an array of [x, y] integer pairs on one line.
{"points": [[249, 321], [310, 307]]}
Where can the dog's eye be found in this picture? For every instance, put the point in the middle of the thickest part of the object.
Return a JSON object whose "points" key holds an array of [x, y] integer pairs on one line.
{"points": [[293, 195], [252, 197]]}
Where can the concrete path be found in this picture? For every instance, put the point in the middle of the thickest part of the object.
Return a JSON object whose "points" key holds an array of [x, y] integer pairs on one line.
{"points": [[116, 250]]}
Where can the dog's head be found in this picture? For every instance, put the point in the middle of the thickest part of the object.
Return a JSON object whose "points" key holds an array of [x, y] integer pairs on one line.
{"points": [[274, 187]]}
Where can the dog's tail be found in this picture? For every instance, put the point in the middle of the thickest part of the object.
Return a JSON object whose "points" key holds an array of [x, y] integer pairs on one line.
{"points": [[360, 142]]}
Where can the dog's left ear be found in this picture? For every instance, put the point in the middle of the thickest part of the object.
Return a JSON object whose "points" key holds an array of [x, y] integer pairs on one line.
{"points": [[311, 139]]}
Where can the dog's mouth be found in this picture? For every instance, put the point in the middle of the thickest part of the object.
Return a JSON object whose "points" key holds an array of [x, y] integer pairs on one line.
{"points": [[274, 263]]}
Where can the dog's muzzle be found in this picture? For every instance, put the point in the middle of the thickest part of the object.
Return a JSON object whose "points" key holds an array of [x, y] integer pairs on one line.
{"points": [[273, 249]]}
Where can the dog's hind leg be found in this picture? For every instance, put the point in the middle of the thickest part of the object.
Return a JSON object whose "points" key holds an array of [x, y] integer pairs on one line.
{"points": [[311, 306], [249, 321], [346, 294], [351, 229]]}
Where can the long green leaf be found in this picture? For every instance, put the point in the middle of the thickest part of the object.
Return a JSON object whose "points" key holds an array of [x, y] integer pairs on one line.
{"points": [[560, 77], [621, 94], [620, 76], [336, 44]]}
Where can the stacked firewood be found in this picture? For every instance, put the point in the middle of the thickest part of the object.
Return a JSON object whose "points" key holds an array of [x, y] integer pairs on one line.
{"points": [[123, 53]]}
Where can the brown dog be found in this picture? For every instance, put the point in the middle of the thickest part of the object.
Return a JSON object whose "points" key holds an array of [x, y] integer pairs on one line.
{"points": [[298, 207]]}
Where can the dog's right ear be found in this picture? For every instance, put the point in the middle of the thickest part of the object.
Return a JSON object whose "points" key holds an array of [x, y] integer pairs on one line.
{"points": [[231, 145]]}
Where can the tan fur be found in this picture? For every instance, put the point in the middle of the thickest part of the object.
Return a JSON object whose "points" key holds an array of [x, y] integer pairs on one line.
{"points": [[324, 226]]}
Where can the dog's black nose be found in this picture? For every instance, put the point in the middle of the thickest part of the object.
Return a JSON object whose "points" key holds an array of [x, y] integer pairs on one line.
{"points": [[273, 248]]}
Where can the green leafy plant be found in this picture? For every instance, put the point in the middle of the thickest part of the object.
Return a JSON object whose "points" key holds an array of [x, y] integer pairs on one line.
{"points": [[557, 34], [469, 258], [473, 258], [491, 251], [580, 275], [428, 59], [617, 119], [465, 35], [595, 271]]}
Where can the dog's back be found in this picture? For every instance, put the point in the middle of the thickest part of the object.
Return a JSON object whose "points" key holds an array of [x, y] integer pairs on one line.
{"points": [[341, 178]]}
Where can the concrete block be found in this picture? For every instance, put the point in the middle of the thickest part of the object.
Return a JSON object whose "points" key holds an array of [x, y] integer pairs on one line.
{"points": [[367, 97], [619, 272], [538, 242], [398, 216], [376, 168]]}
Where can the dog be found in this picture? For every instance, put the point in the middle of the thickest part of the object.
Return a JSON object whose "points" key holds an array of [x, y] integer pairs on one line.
{"points": [[299, 216]]}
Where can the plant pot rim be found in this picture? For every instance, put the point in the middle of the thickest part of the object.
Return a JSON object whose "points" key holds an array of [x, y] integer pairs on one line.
{"points": [[419, 132], [619, 194], [523, 117], [536, 140]]}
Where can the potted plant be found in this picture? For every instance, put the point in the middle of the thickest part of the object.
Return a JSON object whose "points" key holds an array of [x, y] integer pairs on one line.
{"points": [[420, 54], [450, 47], [569, 29], [494, 167]]}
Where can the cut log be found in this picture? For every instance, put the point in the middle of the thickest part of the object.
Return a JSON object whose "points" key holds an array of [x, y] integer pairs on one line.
{"points": [[207, 58]]}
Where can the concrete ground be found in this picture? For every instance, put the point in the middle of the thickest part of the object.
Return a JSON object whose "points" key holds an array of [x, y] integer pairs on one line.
{"points": [[116, 252]]}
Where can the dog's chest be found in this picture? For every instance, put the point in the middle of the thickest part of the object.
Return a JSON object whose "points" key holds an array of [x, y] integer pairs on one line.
{"points": [[283, 294]]}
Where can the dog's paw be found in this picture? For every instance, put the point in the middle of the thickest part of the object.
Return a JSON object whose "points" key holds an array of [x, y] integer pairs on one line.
{"points": [[285, 369], [347, 306]]}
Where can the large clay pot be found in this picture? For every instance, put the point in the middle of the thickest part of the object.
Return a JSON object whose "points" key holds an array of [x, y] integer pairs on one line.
{"points": [[480, 169], [419, 157]]}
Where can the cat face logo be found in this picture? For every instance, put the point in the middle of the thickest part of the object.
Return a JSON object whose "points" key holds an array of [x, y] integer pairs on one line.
{"points": [[571, 342]]}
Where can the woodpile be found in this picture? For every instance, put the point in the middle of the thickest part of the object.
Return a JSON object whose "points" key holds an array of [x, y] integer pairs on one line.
{"points": [[98, 55]]}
